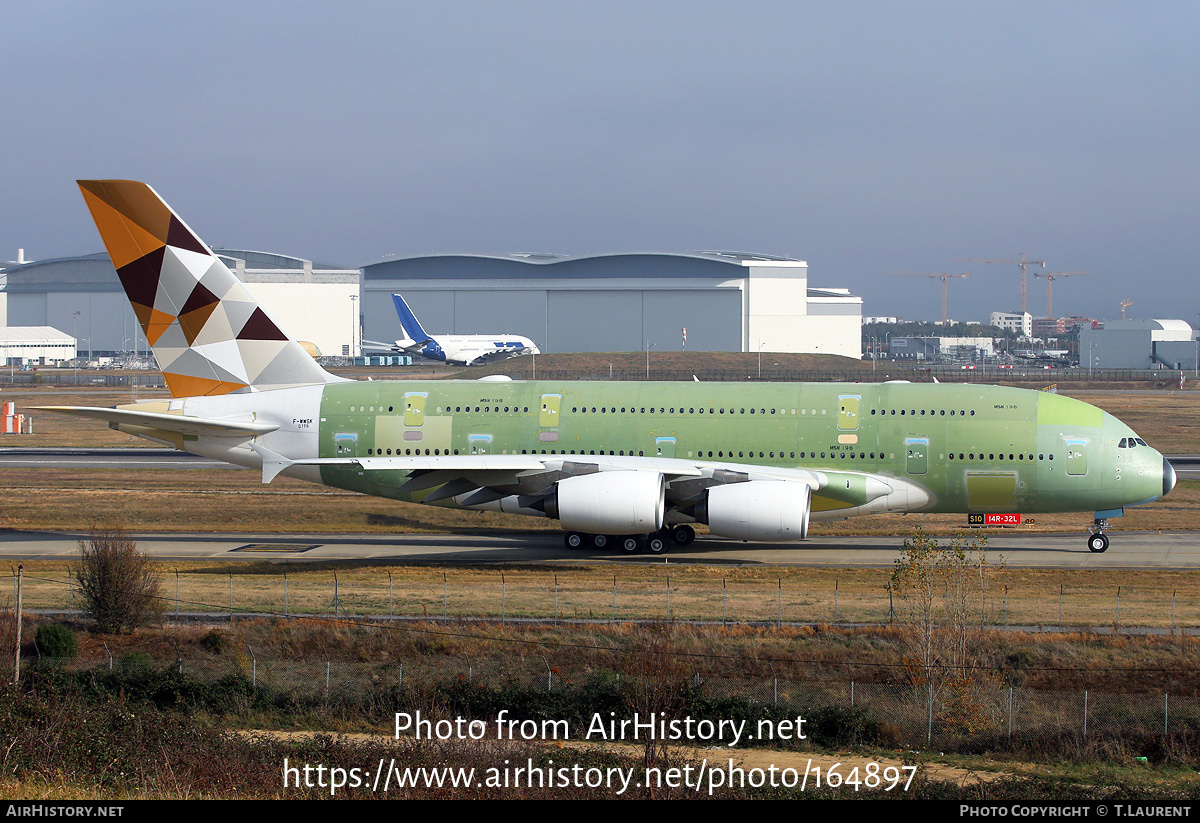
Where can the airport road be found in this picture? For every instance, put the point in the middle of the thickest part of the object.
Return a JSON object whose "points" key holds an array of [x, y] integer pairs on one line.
{"points": [[1170, 550]]}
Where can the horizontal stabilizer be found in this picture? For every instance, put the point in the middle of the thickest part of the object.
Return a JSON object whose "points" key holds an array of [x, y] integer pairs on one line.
{"points": [[167, 422]]}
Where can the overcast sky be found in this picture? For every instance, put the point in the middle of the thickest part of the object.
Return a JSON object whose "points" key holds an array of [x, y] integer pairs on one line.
{"points": [[861, 137]]}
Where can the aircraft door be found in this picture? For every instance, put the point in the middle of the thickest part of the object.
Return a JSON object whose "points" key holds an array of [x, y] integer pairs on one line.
{"points": [[918, 454], [848, 412], [1076, 456], [346, 444], [480, 443], [664, 446], [414, 408], [548, 416]]}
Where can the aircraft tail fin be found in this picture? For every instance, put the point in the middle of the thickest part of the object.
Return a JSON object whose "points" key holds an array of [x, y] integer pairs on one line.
{"points": [[208, 334], [412, 326]]}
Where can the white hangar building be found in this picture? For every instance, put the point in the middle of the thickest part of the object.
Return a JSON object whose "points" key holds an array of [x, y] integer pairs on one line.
{"points": [[82, 297], [619, 302]]}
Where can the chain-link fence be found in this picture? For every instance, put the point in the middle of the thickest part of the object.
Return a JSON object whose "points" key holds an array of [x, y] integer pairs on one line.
{"points": [[661, 595], [952, 715]]}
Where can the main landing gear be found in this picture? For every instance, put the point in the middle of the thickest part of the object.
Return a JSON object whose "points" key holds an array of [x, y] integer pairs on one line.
{"points": [[1097, 539], [656, 543]]}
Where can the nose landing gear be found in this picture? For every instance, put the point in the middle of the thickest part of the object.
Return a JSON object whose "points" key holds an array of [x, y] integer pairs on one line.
{"points": [[1097, 539]]}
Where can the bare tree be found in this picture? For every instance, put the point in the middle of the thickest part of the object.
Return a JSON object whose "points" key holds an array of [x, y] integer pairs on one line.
{"points": [[119, 582], [943, 609]]}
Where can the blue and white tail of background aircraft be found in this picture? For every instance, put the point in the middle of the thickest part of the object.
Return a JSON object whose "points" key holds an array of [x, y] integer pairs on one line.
{"points": [[455, 349]]}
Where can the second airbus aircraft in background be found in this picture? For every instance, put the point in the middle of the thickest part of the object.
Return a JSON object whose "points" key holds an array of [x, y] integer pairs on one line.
{"points": [[455, 349]]}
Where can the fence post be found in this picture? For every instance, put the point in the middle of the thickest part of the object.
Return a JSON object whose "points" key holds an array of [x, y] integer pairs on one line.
{"points": [[668, 598], [1117, 625], [253, 668], [109, 653], [327, 668], [445, 598], [929, 728], [1172, 612], [285, 596], [230, 599], [1060, 599], [835, 601], [779, 602], [774, 682], [556, 600], [852, 694], [549, 674], [724, 595], [1085, 718], [17, 638], [1006, 605], [1010, 697], [1166, 712], [891, 610], [177, 594], [69, 592], [614, 603], [391, 612], [503, 598]]}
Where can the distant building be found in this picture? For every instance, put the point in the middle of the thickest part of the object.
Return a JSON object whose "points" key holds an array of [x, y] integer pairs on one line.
{"points": [[82, 296], [727, 301], [35, 345], [1138, 344], [1019, 322], [888, 320]]}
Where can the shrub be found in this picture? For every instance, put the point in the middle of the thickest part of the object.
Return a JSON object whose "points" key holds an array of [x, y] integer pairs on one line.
{"points": [[213, 642], [56, 640], [119, 582]]}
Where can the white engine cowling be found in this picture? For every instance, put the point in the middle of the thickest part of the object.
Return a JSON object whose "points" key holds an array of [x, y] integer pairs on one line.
{"points": [[760, 510], [614, 502]]}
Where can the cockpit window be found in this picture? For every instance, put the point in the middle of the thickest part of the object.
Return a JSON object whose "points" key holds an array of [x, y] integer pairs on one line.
{"points": [[1140, 441], [1122, 444]]}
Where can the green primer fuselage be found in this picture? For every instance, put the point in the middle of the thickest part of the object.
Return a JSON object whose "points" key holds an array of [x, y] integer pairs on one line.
{"points": [[972, 448]]}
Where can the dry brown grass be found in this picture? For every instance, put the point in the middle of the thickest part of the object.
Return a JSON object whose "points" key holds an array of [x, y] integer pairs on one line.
{"points": [[1019, 597]]}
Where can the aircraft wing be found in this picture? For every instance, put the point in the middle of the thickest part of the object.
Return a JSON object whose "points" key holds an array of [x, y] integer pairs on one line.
{"points": [[175, 423], [498, 354], [478, 479]]}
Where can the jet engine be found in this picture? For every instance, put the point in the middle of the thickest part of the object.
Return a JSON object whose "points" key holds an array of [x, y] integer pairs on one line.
{"points": [[757, 510], [613, 502]]}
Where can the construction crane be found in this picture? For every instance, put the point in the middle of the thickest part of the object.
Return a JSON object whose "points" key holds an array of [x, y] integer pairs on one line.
{"points": [[1050, 276], [944, 278], [1022, 263], [1125, 303]]}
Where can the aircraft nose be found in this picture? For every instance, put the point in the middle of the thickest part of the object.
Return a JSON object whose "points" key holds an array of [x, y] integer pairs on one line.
{"points": [[1168, 477]]}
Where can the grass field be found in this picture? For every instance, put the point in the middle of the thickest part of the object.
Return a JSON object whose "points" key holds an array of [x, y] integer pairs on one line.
{"points": [[1160, 599]]}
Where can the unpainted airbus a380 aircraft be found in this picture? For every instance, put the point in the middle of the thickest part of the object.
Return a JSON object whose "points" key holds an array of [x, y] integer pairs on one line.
{"points": [[456, 349], [628, 464]]}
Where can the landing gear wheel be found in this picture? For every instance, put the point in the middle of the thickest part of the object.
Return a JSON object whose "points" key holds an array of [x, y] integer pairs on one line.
{"points": [[574, 540], [1098, 542], [656, 543], [631, 544], [601, 541], [683, 535]]}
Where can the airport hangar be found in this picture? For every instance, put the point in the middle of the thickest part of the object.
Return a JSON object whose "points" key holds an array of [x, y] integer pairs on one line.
{"points": [[313, 302], [618, 302]]}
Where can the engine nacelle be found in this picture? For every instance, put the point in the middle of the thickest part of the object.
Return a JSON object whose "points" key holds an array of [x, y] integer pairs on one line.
{"points": [[758, 510], [613, 502]]}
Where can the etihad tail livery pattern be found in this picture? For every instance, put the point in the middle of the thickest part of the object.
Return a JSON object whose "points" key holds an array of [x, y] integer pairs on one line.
{"points": [[457, 349], [631, 465]]}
